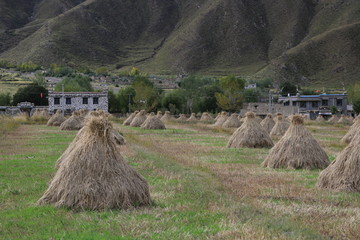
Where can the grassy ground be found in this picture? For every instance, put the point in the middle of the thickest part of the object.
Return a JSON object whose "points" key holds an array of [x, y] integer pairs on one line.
{"points": [[200, 189]]}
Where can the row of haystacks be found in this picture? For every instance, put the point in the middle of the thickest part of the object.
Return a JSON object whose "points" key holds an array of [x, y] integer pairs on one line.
{"points": [[335, 119], [92, 175], [150, 121]]}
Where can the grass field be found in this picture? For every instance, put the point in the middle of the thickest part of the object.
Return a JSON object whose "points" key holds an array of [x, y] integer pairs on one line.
{"points": [[200, 190]]}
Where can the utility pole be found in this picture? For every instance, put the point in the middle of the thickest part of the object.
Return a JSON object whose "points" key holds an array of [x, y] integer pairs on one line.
{"points": [[270, 102]]}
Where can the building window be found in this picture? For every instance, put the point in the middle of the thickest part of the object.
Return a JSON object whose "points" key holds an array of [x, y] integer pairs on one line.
{"points": [[315, 104], [339, 102], [324, 102], [294, 104], [56, 101], [286, 103], [303, 104], [95, 100], [85, 100], [68, 101]]}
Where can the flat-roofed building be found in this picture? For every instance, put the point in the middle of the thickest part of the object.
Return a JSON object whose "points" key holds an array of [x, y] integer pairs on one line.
{"points": [[71, 101]]}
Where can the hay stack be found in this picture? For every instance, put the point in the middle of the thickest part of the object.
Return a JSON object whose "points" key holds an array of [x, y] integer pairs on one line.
{"points": [[130, 118], [73, 123], [221, 119], [57, 119], [94, 175], [217, 117], [353, 131], [182, 118], [268, 123], [138, 119], [250, 134], [343, 173], [205, 117], [22, 116], [334, 119], [117, 137], [167, 117], [232, 122], [320, 118], [297, 149], [153, 122], [159, 115], [280, 127], [40, 115], [344, 120], [192, 118]]}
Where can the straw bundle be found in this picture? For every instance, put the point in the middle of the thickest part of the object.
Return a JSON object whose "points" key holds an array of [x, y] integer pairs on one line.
{"points": [[130, 118], [217, 117], [153, 122], [221, 119], [232, 122], [205, 117], [72, 123], [57, 119], [258, 119], [159, 115], [167, 117], [343, 173], [22, 116], [117, 137], [250, 134], [94, 175], [138, 119], [297, 149], [192, 118], [334, 119], [182, 117], [344, 120], [280, 127], [320, 118], [353, 131], [268, 123], [40, 115]]}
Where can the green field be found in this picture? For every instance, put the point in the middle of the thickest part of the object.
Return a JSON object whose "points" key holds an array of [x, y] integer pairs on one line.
{"points": [[199, 188]]}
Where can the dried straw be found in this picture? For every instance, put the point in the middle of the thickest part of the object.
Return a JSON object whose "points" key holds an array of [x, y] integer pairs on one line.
{"points": [[297, 149], [159, 115], [57, 119], [205, 117], [221, 119], [153, 122], [94, 175], [343, 173], [353, 131], [345, 120], [334, 119], [192, 118], [167, 117], [320, 118], [250, 134], [130, 118], [74, 122], [232, 122], [280, 128], [268, 123], [182, 118], [138, 119]]}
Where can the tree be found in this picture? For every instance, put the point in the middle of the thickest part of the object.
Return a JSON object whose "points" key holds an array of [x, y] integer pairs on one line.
{"points": [[232, 96], [353, 92], [5, 99], [33, 93], [28, 67], [288, 88], [125, 97], [174, 101], [78, 83], [251, 95], [60, 71], [147, 96], [356, 106], [134, 71], [39, 80]]}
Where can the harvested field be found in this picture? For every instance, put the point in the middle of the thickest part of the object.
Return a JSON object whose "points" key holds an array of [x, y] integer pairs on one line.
{"points": [[200, 189]]}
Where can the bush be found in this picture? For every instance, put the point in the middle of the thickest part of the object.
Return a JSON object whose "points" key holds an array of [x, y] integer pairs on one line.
{"points": [[78, 83], [28, 67], [33, 93], [356, 106], [6, 64], [5, 99], [60, 71]]}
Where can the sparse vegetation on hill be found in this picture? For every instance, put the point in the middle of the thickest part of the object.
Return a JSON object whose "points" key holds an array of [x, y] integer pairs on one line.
{"points": [[309, 42]]}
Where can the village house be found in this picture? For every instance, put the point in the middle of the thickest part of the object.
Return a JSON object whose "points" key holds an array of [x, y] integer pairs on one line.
{"points": [[71, 101], [316, 104]]}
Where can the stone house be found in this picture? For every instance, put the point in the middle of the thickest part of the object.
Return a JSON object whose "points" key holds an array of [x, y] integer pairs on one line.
{"points": [[71, 101]]}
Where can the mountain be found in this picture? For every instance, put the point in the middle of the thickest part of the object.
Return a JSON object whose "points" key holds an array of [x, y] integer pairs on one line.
{"points": [[308, 41]]}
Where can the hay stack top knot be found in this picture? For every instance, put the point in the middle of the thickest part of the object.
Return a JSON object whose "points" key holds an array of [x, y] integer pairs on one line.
{"points": [[269, 115], [99, 125], [297, 120], [250, 115]]}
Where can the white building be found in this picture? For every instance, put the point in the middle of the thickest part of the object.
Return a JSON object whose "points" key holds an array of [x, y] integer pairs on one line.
{"points": [[71, 101]]}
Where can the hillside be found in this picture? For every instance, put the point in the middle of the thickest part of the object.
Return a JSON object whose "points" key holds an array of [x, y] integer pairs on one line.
{"points": [[312, 41]]}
